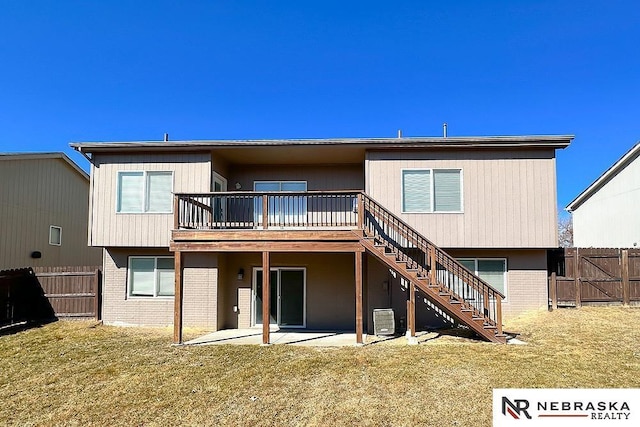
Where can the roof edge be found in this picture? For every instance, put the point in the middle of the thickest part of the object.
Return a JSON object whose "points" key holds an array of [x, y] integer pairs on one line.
{"points": [[551, 141], [46, 155], [613, 170]]}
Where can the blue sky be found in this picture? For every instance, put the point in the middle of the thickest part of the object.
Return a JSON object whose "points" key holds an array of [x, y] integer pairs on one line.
{"points": [[132, 70]]}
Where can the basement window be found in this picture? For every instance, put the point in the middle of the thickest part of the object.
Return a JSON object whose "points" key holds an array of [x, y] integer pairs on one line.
{"points": [[151, 276], [491, 270]]}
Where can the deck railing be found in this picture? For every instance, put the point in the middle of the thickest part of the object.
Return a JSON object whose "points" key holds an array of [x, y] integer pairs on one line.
{"points": [[263, 210]]}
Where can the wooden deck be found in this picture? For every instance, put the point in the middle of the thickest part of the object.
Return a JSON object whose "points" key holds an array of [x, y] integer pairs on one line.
{"points": [[342, 221]]}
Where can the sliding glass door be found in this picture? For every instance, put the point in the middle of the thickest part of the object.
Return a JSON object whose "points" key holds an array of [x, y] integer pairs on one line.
{"points": [[284, 210], [287, 297]]}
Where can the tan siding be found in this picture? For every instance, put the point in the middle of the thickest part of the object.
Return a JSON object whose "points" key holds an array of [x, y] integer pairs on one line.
{"points": [[35, 194], [219, 165], [509, 196], [191, 174], [334, 177]]}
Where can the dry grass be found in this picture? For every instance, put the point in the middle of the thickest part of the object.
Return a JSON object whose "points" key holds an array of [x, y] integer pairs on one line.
{"points": [[76, 373]]}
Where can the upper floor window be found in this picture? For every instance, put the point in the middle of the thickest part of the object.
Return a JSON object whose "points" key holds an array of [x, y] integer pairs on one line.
{"points": [[143, 191], [431, 190]]}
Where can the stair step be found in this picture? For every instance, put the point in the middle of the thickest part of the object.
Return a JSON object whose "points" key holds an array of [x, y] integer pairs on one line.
{"points": [[454, 301], [489, 327], [478, 319]]}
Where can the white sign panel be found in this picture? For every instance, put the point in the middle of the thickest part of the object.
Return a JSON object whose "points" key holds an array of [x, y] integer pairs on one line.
{"points": [[526, 407]]}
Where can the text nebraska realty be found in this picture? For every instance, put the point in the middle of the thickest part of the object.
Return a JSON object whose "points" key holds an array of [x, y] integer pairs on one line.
{"points": [[598, 410]]}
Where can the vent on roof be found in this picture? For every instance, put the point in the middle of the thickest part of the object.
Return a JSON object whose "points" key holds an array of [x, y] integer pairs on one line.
{"points": [[383, 321]]}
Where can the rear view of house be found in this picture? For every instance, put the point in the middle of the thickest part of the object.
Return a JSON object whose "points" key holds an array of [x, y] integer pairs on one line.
{"points": [[44, 205], [321, 233]]}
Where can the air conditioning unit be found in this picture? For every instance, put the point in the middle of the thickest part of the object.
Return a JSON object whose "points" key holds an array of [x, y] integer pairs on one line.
{"points": [[383, 321]]}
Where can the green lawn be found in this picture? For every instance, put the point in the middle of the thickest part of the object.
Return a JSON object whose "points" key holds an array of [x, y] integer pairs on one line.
{"points": [[79, 373]]}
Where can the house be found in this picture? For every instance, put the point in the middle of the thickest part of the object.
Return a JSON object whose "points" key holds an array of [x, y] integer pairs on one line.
{"points": [[437, 229], [605, 214], [44, 205]]}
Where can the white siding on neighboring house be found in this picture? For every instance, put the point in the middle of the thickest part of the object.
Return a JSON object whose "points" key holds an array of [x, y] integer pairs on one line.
{"points": [[191, 173], [508, 197], [608, 216]]}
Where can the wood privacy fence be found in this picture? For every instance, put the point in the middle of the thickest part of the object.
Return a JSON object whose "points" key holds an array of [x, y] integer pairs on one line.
{"points": [[594, 276], [35, 294]]}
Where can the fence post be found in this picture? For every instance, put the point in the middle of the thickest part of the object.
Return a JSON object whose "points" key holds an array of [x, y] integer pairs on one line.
{"points": [[576, 278], [553, 291], [625, 277], [96, 293]]}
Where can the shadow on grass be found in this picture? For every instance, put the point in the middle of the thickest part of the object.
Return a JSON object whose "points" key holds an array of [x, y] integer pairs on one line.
{"points": [[23, 326]]}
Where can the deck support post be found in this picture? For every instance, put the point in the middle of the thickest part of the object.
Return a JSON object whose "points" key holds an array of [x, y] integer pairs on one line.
{"points": [[359, 327], [177, 301], [499, 314], [411, 314], [266, 293]]}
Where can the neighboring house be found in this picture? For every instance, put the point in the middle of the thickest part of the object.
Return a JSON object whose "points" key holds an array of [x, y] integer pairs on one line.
{"points": [[44, 204], [345, 226], [605, 215]]}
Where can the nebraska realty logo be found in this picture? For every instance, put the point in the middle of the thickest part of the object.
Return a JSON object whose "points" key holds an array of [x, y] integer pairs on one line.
{"points": [[574, 407]]}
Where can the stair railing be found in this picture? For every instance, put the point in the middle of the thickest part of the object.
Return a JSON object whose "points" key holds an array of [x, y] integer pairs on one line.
{"points": [[430, 261]]}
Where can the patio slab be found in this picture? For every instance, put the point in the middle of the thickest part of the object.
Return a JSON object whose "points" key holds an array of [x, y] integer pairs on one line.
{"points": [[300, 338]]}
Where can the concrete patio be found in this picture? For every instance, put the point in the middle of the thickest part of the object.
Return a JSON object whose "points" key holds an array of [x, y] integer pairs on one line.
{"points": [[303, 338]]}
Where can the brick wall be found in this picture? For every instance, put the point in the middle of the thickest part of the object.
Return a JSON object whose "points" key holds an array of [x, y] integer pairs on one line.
{"points": [[199, 299]]}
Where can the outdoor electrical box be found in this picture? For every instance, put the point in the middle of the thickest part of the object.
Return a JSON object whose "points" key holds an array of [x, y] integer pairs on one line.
{"points": [[383, 321]]}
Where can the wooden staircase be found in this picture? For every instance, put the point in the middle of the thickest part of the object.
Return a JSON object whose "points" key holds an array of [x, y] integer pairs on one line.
{"points": [[444, 281]]}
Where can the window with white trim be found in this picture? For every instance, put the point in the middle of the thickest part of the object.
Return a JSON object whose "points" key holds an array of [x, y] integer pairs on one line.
{"points": [[144, 192], [431, 190], [55, 235], [151, 276], [491, 270]]}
